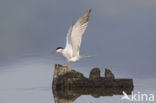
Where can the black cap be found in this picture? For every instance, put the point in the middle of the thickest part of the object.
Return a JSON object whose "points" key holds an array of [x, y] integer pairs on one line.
{"points": [[59, 48]]}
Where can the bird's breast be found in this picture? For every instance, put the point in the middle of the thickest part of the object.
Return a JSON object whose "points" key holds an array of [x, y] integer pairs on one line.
{"points": [[66, 56]]}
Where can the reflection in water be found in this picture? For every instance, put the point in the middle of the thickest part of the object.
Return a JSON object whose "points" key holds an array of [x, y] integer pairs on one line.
{"points": [[71, 94]]}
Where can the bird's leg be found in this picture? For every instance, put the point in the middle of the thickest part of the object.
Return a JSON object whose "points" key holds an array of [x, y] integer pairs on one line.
{"points": [[67, 64]]}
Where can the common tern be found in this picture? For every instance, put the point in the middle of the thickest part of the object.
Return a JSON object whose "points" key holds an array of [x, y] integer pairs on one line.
{"points": [[73, 39]]}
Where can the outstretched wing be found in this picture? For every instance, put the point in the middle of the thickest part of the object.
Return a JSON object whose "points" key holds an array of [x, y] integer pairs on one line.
{"points": [[77, 32], [68, 48], [67, 37]]}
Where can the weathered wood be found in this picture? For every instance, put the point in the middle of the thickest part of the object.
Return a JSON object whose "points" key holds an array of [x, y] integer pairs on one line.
{"points": [[94, 73], [109, 74], [64, 78], [69, 84]]}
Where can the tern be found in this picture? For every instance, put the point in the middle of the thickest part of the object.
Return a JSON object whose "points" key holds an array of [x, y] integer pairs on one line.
{"points": [[73, 39]]}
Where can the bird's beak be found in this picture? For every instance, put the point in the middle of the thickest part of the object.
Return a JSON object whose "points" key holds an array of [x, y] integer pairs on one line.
{"points": [[54, 51]]}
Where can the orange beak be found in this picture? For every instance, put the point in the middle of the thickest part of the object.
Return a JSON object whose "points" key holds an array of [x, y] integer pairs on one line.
{"points": [[54, 51]]}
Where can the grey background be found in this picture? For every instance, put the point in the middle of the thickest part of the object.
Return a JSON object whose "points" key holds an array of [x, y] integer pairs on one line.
{"points": [[121, 33]]}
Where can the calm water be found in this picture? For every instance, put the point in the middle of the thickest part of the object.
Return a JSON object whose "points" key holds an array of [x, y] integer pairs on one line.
{"points": [[29, 81]]}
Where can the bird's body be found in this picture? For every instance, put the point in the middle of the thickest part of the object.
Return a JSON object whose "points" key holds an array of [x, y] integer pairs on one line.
{"points": [[73, 39]]}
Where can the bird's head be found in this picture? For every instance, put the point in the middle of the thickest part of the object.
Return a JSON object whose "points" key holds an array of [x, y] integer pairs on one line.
{"points": [[58, 50]]}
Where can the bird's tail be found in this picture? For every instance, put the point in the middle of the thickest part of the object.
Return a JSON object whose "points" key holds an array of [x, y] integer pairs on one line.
{"points": [[82, 57]]}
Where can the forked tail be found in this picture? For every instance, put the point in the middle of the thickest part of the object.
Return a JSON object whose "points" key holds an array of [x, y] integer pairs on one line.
{"points": [[82, 57]]}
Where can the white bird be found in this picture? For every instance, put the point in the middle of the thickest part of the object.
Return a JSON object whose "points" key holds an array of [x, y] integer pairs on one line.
{"points": [[73, 39]]}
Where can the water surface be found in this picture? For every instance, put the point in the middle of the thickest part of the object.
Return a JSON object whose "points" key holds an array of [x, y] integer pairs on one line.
{"points": [[30, 80]]}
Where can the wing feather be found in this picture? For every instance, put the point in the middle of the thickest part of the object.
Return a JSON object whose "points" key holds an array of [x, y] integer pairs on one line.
{"points": [[67, 37], [77, 32], [68, 48]]}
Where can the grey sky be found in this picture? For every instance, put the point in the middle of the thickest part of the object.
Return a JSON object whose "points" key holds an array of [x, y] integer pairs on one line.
{"points": [[120, 34]]}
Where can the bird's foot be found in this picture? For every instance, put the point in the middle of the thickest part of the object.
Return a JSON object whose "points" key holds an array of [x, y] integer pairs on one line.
{"points": [[67, 65]]}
